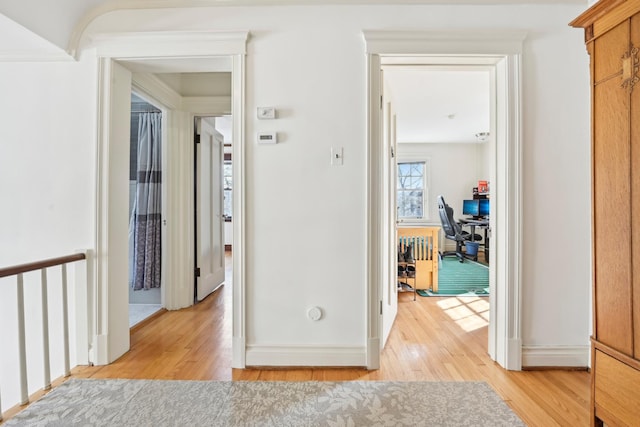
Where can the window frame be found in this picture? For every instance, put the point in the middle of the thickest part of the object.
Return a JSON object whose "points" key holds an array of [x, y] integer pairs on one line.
{"points": [[426, 180]]}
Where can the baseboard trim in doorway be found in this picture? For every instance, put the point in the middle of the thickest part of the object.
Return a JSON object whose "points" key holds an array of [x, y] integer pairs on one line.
{"points": [[148, 320]]}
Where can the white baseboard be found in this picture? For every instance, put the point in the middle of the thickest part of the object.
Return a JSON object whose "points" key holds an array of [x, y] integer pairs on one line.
{"points": [[238, 357], [373, 357], [257, 355], [556, 356], [99, 354]]}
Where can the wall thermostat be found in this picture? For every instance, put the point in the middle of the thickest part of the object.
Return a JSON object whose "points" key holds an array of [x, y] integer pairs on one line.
{"points": [[266, 112], [267, 138]]}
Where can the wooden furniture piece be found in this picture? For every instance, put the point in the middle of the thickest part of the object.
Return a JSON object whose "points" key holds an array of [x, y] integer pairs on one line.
{"points": [[612, 35], [424, 241]]}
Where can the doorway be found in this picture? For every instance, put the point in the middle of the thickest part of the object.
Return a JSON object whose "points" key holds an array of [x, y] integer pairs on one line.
{"points": [[118, 62], [145, 196], [432, 116], [209, 207], [500, 50]]}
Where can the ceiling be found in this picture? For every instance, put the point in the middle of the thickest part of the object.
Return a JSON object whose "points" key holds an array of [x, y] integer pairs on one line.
{"points": [[439, 104], [198, 84], [432, 105], [57, 25]]}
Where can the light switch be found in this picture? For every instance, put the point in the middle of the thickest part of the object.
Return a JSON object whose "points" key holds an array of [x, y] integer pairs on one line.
{"points": [[336, 156]]}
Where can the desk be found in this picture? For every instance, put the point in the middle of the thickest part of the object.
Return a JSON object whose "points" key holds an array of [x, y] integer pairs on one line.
{"points": [[482, 223]]}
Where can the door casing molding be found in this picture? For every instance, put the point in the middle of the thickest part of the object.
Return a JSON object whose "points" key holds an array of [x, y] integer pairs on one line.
{"points": [[182, 47], [502, 49]]}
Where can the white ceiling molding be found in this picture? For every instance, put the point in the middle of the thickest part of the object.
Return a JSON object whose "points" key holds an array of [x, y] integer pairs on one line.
{"points": [[148, 83], [179, 44], [63, 26], [476, 42], [170, 65], [112, 5]]}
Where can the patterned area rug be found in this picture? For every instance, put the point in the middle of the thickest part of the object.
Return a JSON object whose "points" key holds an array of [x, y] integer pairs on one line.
{"points": [[82, 402]]}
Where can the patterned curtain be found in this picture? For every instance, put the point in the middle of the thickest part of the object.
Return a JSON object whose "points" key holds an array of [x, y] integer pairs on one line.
{"points": [[144, 226]]}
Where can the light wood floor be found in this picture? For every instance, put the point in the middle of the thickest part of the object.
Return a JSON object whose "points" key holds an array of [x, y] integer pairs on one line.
{"points": [[443, 339]]}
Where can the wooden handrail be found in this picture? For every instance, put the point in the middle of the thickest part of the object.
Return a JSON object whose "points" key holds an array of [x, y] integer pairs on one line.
{"points": [[17, 271], [38, 265]]}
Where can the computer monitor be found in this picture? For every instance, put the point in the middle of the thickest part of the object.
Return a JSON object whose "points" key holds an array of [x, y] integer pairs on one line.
{"points": [[484, 207], [471, 207]]}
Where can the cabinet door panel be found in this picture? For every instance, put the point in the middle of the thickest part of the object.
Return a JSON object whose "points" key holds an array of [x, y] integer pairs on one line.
{"points": [[616, 391], [612, 219], [609, 50]]}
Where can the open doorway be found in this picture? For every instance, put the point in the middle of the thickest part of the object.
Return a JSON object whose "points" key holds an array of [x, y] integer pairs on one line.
{"points": [[145, 210], [209, 210], [442, 116], [120, 67], [501, 52], [433, 117], [433, 113]]}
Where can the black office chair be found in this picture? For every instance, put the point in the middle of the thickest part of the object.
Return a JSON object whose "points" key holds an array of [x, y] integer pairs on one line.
{"points": [[453, 231]]}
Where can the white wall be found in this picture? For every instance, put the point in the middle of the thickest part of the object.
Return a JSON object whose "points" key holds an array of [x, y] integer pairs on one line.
{"points": [[47, 159], [47, 169], [305, 218], [557, 191]]}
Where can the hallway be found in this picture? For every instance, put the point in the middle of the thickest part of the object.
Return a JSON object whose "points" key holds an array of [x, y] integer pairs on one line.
{"points": [[433, 339]]}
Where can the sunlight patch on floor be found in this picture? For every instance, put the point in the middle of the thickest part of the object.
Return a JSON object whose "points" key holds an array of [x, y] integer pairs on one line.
{"points": [[470, 313]]}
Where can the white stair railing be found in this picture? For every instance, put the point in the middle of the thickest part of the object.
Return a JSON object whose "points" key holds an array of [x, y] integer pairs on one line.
{"points": [[18, 271]]}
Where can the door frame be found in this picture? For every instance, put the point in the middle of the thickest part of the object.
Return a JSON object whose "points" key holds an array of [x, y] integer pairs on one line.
{"points": [[504, 50], [108, 339]]}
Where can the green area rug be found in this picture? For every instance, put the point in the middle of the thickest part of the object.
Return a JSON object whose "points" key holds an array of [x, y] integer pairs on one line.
{"points": [[457, 278]]}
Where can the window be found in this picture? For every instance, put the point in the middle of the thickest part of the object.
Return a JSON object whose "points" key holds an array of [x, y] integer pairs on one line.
{"points": [[228, 185], [411, 190]]}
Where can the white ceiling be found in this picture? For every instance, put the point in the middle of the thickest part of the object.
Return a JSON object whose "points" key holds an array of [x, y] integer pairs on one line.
{"points": [[432, 105], [198, 84], [59, 23], [439, 104]]}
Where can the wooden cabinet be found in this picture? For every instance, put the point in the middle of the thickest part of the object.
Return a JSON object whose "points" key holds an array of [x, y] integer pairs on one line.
{"points": [[612, 35]]}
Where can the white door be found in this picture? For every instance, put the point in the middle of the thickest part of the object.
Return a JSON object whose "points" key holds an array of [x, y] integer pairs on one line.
{"points": [[111, 339], [390, 273], [209, 205]]}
